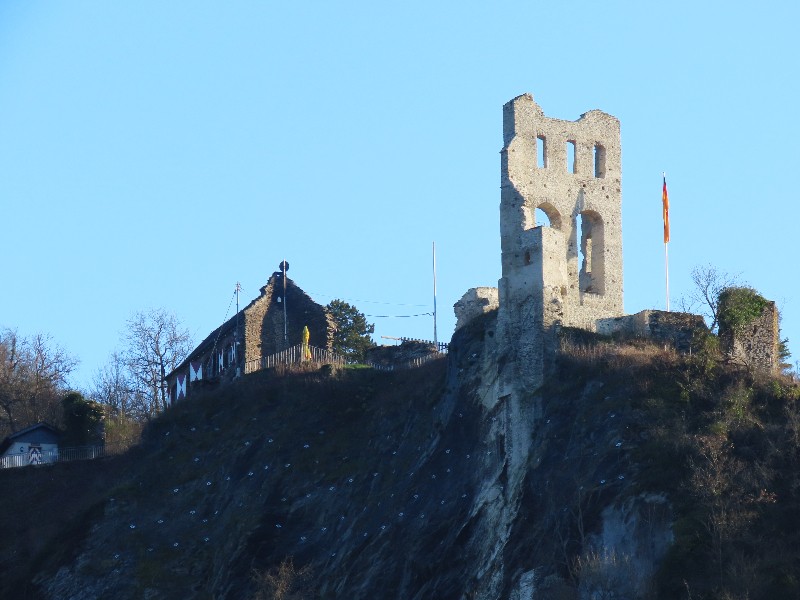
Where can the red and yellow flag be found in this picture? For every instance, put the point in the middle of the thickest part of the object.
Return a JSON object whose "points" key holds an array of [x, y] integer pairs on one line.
{"points": [[665, 202]]}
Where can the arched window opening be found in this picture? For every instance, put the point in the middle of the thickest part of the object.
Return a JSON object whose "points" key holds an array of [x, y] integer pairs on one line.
{"points": [[591, 274], [542, 220], [599, 161], [541, 152], [571, 165], [546, 215]]}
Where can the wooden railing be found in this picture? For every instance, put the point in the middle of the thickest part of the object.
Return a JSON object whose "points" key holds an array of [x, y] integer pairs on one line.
{"points": [[311, 354], [295, 355]]}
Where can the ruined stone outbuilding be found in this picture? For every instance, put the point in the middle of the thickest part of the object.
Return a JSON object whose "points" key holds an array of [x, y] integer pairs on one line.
{"points": [[755, 344], [271, 323]]}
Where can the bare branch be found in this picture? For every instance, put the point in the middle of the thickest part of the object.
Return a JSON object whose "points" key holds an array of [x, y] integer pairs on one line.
{"points": [[155, 343]]}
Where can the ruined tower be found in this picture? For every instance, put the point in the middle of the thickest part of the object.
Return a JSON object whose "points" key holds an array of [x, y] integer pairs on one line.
{"points": [[570, 271]]}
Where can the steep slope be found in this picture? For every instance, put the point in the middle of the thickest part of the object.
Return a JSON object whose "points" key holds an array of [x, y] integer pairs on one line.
{"points": [[634, 471]]}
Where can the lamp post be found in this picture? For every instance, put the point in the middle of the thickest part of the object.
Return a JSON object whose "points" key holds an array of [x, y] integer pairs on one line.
{"points": [[284, 266]]}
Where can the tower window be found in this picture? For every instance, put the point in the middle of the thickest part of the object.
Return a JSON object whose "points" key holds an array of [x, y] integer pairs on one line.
{"points": [[571, 165], [599, 161], [541, 152]]}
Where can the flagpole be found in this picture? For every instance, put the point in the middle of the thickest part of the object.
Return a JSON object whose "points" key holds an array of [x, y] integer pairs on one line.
{"points": [[666, 268], [665, 200]]}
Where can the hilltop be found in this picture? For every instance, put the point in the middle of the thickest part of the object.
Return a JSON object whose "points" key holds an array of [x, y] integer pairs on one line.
{"points": [[633, 472]]}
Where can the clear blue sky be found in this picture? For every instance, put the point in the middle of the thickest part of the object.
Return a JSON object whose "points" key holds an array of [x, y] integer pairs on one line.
{"points": [[152, 154]]}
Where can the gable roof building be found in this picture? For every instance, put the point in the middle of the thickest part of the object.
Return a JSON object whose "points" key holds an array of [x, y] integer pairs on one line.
{"points": [[34, 445], [271, 323]]}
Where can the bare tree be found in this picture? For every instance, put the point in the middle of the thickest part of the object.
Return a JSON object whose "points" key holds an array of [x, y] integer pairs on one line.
{"points": [[33, 377], [112, 387], [155, 343], [708, 282]]}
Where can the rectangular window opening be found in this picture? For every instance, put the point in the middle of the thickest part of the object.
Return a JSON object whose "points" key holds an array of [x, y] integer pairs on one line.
{"points": [[571, 157], [541, 152], [599, 161]]}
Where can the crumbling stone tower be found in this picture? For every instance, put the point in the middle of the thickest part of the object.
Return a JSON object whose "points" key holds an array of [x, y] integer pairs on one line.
{"points": [[569, 272]]}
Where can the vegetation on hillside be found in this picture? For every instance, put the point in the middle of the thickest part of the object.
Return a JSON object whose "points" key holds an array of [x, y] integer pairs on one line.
{"points": [[33, 379], [722, 443], [299, 481]]}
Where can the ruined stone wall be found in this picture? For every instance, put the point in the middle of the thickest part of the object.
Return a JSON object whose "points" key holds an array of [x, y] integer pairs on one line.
{"points": [[536, 174], [531, 311], [676, 329], [475, 302], [757, 344], [570, 272]]}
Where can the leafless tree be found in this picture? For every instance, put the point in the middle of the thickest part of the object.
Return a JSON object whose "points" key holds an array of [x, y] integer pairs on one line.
{"points": [[112, 386], [33, 377], [155, 343], [708, 283]]}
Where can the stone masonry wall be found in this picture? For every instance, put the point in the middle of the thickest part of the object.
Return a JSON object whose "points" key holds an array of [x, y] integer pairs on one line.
{"points": [[475, 302], [570, 272], [676, 329], [756, 346], [589, 190]]}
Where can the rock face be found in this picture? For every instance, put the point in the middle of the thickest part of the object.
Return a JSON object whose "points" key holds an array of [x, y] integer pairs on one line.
{"points": [[411, 485]]}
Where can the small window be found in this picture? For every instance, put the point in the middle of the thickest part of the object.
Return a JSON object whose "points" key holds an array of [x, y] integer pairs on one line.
{"points": [[599, 161], [571, 166], [541, 152]]}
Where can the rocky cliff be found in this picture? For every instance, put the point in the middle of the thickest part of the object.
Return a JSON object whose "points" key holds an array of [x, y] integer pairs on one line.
{"points": [[417, 484]]}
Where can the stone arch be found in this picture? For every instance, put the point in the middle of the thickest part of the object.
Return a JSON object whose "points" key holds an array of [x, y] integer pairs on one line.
{"points": [[591, 276], [552, 214]]}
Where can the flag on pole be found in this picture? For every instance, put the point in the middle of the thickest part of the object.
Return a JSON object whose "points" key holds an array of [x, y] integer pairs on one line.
{"points": [[665, 202]]}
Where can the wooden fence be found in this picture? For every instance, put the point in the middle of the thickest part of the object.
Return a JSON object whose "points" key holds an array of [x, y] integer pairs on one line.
{"points": [[295, 355], [311, 354]]}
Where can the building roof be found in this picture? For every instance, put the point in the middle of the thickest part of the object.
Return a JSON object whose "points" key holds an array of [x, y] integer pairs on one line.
{"points": [[229, 326], [6, 443]]}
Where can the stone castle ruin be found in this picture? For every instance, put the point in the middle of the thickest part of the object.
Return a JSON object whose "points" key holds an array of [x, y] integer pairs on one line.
{"points": [[567, 269]]}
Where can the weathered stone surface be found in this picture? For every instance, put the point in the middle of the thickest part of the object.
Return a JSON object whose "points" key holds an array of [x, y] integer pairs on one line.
{"points": [[678, 330], [589, 190], [570, 272], [407, 351], [474, 302], [757, 345]]}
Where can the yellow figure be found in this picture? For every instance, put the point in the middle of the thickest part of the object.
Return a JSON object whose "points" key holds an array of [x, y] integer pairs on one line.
{"points": [[306, 349]]}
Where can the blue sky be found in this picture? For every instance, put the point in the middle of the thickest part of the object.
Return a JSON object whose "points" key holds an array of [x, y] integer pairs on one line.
{"points": [[153, 154]]}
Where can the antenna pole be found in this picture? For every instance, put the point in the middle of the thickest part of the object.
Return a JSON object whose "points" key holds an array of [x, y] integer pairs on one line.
{"points": [[435, 337], [237, 289]]}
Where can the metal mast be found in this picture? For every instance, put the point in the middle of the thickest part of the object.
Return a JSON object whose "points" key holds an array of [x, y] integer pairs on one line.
{"points": [[237, 338]]}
